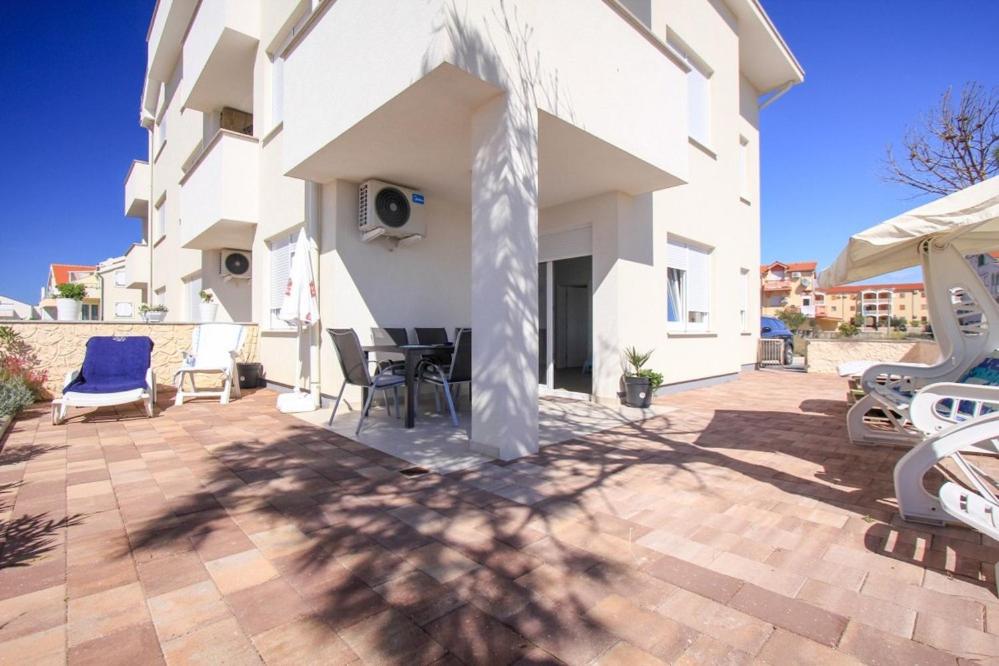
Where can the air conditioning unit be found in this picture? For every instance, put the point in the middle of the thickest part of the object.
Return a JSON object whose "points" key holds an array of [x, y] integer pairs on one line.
{"points": [[391, 211], [235, 265]]}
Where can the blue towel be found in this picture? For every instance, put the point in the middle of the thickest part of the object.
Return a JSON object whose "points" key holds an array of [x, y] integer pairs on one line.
{"points": [[113, 364]]}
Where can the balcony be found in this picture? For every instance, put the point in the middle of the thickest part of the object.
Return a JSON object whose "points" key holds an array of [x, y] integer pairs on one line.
{"points": [[137, 190], [137, 266], [821, 312], [164, 40], [219, 52], [777, 285], [607, 94], [219, 196]]}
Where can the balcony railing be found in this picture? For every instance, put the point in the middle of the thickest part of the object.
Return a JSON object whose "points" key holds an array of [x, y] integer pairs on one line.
{"points": [[777, 285], [220, 194], [137, 190], [137, 266]]}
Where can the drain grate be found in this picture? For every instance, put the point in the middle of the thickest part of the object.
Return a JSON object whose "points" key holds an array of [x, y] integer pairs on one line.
{"points": [[414, 471]]}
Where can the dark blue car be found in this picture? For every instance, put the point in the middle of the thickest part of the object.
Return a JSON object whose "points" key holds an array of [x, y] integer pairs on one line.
{"points": [[772, 327]]}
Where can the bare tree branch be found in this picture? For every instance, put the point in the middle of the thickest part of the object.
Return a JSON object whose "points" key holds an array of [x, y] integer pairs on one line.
{"points": [[950, 148]]}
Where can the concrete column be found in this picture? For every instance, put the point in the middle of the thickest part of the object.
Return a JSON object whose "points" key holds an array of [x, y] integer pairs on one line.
{"points": [[504, 285]]}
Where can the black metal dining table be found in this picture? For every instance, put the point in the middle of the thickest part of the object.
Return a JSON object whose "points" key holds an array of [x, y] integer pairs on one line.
{"points": [[413, 355]]}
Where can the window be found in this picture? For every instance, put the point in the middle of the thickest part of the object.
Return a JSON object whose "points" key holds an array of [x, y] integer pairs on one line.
{"points": [[119, 278], [901, 306], [688, 286], [277, 91], [161, 133], [90, 312], [698, 91], [806, 301], [123, 310], [282, 251], [744, 298], [833, 308], [161, 219], [192, 291], [744, 168]]}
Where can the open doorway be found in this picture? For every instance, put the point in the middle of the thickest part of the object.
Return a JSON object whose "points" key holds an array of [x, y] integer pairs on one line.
{"points": [[565, 313]]}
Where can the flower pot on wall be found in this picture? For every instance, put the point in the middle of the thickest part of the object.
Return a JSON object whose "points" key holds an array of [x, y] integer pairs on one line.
{"points": [[206, 311], [154, 316], [68, 309], [637, 392]]}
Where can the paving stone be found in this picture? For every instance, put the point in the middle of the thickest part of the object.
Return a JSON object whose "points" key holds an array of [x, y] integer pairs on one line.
{"points": [[876, 647], [104, 613], [302, 641], [791, 614], [714, 535]]}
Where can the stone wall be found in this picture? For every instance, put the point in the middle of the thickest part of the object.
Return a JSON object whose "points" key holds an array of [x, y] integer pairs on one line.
{"points": [[825, 355], [60, 345]]}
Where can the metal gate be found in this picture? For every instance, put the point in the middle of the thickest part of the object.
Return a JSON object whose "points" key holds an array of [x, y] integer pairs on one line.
{"points": [[770, 352]]}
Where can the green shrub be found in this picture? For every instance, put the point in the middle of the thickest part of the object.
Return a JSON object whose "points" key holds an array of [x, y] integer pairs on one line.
{"points": [[655, 378], [15, 395], [848, 329], [72, 290]]}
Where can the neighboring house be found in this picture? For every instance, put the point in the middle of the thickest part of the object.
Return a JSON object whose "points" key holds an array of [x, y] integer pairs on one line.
{"points": [[14, 310], [787, 285], [119, 301], [66, 273], [587, 179], [878, 303]]}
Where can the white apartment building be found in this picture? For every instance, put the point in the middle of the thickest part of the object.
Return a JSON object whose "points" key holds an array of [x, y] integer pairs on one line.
{"points": [[585, 174]]}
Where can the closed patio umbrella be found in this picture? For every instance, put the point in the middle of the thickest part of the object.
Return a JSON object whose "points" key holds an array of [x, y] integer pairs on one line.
{"points": [[300, 309], [968, 220]]}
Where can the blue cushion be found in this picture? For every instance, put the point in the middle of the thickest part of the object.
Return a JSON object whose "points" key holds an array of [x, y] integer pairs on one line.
{"points": [[985, 373], [113, 364]]}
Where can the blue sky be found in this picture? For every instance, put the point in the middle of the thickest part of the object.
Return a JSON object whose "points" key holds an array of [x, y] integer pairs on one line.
{"points": [[71, 75], [70, 79], [872, 67]]}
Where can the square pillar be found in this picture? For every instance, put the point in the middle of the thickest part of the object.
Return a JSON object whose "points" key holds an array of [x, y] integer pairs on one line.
{"points": [[504, 284]]}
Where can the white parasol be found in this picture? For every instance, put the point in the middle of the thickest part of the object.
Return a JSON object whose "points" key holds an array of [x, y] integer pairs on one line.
{"points": [[967, 219], [301, 309]]}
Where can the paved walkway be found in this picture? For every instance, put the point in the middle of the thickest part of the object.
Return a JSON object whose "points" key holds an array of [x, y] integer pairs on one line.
{"points": [[740, 527]]}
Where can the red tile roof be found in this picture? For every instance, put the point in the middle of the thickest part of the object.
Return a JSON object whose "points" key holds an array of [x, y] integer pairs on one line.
{"points": [[857, 288], [793, 266], [60, 272]]}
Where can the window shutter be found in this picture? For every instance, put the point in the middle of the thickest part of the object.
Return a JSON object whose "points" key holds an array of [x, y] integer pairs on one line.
{"points": [[698, 280], [193, 298], [699, 105], [676, 255], [280, 269], [277, 91]]}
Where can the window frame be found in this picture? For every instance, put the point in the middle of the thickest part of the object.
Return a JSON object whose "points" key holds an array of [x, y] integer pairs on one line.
{"points": [[687, 277]]}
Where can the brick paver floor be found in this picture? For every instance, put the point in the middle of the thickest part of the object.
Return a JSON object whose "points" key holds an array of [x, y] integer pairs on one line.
{"points": [[741, 527]]}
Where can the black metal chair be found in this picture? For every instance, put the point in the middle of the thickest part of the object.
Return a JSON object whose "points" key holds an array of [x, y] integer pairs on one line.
{"points": [[434, 336], [354, 366], [458, 372], [396, 363]]}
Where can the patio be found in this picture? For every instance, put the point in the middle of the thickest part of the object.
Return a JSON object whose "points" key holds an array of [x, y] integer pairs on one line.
{"points": [[739, 525]]}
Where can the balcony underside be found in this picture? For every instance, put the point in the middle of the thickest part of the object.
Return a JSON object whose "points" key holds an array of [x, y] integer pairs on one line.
{"points": [[421, 138], [230, 234], [227, 76]]}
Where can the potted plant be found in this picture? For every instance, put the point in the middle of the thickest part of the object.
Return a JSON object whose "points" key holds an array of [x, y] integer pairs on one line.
{"points": [[153, 313], [640, 383], [69, 303], [208, 307]]}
